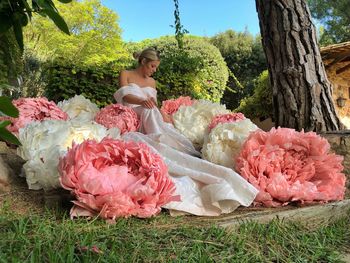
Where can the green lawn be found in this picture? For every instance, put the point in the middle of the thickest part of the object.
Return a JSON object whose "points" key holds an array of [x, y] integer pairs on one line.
{"points": [[53, 237]]}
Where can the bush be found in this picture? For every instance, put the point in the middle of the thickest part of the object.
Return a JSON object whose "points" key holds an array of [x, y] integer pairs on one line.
{"points": [[244, 56], [198, 70], [95, 83], [259, 105], [33, 75]]}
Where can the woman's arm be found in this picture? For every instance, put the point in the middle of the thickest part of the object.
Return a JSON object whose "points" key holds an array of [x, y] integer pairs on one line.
{"points": [[132, 99]]}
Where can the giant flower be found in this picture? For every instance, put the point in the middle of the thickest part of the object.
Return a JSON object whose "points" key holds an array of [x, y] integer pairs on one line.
{"points": [[286, 166], [193, 121], [224, 142], [171, 106], [117, 115], [116, 178], [43, 143], [34, 109], [225, 118], [79, 108]]}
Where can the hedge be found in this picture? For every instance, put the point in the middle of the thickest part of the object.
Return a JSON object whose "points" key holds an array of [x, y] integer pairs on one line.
{"points": [[198, 70], [95, 83], [259, 105]]}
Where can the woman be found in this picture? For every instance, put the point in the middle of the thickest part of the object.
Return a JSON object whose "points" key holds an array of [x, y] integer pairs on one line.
{"points": [[138, 90], [205, 188]]}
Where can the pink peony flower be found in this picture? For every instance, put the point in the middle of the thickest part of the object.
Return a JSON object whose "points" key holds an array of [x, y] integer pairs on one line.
{"points": [[225, 118], [120, 116], [171, 106], [34, 109], [115, 178], [286, 165]]}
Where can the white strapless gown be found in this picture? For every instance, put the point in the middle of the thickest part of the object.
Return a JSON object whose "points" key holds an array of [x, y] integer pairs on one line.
{"points": [[206, 189]]}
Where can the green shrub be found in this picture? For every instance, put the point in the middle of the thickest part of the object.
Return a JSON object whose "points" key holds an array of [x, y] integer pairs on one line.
{"points": [[198, 70], [33, 75], [244, 56], [95, 83], [259, 105]]}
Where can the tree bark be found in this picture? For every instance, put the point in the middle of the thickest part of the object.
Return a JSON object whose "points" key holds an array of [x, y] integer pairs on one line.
{"points": [[302, 94]]}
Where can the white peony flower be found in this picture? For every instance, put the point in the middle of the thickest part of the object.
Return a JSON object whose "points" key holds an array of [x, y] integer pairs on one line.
{"points": [[224, 142], [193, 121], [79, 108], [43, 143]]}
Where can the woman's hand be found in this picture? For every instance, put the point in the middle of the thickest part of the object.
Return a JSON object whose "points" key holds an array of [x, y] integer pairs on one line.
{"points": [[154, 101], [149, 103]]}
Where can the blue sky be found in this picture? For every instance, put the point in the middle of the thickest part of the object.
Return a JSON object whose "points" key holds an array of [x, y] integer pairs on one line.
{"points": [[141, 19]]}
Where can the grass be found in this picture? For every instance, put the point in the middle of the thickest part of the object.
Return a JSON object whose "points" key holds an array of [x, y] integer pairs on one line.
{"points": [[53, 237]]}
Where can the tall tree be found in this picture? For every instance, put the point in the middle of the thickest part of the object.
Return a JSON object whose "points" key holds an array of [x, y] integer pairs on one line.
{"points": [[334, 16], [301, 91], [95, 34]]}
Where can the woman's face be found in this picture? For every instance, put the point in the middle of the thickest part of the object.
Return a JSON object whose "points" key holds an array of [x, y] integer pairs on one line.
{"points": [[150, 67]]}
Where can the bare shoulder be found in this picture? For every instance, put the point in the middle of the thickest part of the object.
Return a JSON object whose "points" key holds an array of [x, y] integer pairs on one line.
{"points": [[153, 83], [124, 78], [124, 73]]}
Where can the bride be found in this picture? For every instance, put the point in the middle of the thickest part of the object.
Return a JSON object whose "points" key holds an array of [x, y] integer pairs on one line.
{"points": [[205, 188]]}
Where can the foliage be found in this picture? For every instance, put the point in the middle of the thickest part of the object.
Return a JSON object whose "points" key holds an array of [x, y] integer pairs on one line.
{"points": [[260, 104], [245, 58], [198, 70], [10, 60], [95, 35], [16, 14], [97, 83], [179, 29], [53, 237], [33, 75], [334, 15], [7, 109]]}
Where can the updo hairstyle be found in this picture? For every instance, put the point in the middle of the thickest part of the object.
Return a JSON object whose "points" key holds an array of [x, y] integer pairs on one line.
{"points": [[149, 54]]}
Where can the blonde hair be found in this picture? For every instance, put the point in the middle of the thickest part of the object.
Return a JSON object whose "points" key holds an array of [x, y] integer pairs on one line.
{"points": [[149, 54]]}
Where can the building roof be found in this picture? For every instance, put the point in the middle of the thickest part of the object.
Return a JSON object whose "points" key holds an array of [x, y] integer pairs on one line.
{"points": [[337, 57]]}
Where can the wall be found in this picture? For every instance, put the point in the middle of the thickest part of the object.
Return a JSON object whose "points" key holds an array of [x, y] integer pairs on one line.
{"points": [[341, 86]]}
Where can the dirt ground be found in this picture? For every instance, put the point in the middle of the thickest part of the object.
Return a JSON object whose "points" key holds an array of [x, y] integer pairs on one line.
{"points": [[19, 198]]}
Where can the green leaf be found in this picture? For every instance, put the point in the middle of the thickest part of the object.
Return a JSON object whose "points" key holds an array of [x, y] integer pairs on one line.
{"points": [[24, 20], [7, 107], [46, 4], [3, 124], [28, 9], [35, 6], [57, 19], [5, 23], [7, 136], [65, 1], [17, 28]]}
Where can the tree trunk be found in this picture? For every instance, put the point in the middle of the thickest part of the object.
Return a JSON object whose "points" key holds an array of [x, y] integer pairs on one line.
{"points": [[302, 94]]}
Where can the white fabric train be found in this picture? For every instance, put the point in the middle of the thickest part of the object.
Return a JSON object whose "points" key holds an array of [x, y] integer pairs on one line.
{"points": [[206, 189]]}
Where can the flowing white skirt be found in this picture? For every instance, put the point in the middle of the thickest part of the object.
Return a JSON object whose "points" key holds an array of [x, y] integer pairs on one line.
{"points": [[205, 188]]}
